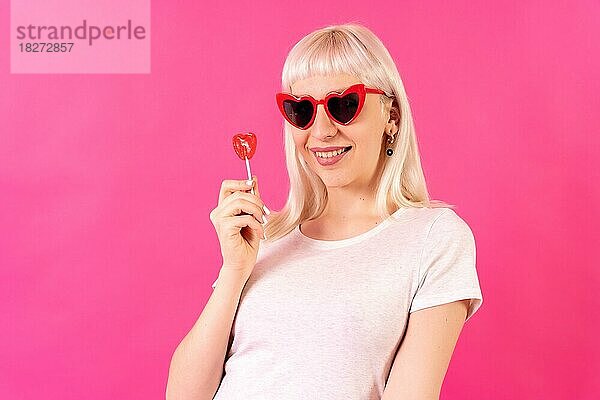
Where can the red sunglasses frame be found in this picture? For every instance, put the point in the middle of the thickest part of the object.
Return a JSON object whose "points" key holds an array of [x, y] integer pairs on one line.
{"points": [[359, 89]]}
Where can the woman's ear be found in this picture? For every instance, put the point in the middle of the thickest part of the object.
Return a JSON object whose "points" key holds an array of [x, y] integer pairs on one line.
{"points": [[394, 116], [395, 112]]}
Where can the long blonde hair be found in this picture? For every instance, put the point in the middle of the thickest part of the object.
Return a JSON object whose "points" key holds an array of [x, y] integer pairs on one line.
{"points": [[351, 49]]}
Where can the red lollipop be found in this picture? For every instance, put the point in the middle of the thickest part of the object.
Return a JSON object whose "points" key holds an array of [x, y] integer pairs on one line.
{"points": [[244, 145]]}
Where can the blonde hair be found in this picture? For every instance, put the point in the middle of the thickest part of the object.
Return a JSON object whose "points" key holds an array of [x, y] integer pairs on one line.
{"points": [[351, 49]]}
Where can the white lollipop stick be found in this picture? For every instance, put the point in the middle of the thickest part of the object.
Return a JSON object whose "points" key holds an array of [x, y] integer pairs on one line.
{"points": [[249, 173], [247, 146], [250, 176]]}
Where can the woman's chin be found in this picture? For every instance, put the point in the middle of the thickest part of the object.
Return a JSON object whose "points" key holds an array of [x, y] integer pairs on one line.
{"points": [[334, 181]]}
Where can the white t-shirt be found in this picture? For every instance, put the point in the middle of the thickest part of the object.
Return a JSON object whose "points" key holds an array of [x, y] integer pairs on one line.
{"points": [[323, 320]]}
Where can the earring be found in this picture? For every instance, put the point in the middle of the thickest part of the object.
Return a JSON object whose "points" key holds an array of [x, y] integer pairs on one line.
{"points": [[390, 141]]}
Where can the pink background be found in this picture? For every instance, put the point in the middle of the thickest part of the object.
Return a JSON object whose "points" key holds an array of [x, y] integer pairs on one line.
{"points": [[107, 252]]}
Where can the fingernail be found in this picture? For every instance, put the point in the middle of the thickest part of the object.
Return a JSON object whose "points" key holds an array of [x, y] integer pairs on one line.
{"points": [[266, 209], [250, 182], [264, 219]]}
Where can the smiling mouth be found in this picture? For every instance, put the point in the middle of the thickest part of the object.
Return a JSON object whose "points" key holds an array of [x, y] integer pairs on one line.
{"points": [[331, 154]]}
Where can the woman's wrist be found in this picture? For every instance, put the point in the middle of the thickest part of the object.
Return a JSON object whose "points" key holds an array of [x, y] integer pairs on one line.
{"points": [[229, 276]]}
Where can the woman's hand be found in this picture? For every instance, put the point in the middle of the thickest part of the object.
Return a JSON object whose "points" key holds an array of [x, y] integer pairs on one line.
{"points": [[238, 220]]}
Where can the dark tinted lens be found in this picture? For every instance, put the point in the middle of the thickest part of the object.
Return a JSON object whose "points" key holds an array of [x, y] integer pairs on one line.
{"points": [[298, 112], [343, 108]]}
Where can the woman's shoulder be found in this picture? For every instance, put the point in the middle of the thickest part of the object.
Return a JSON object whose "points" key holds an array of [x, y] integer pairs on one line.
{"points": [[445, 215], [432, 219], [446, 222]]}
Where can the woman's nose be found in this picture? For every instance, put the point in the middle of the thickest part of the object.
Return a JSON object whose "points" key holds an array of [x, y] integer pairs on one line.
{"points": [[322, 125]]}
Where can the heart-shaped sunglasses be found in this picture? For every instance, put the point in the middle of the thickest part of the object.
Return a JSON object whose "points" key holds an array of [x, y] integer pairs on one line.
{"points": [[342, 107]]}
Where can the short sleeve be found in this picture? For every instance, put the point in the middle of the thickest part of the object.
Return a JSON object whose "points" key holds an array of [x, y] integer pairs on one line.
{"points": [[447, 269]]}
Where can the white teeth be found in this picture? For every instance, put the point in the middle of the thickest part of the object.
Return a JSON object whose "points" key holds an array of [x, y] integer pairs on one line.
{"points": [[329, 154]]}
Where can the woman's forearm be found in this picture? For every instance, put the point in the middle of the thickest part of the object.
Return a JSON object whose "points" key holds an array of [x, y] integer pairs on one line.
{"points": [[197, 364]]}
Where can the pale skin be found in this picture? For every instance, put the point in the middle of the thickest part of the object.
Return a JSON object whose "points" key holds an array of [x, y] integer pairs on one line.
{"points": [[351, 205], [424, 355]]}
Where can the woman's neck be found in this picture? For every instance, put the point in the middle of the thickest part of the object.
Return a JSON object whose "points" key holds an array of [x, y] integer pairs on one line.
{"points": [[347, 214]]}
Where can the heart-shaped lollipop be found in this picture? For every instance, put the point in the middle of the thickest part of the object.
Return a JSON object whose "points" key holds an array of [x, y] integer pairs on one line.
{"points": [[244, 145]]}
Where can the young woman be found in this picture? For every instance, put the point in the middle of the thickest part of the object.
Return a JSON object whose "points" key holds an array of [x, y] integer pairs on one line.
{"points": [[363, 284]]}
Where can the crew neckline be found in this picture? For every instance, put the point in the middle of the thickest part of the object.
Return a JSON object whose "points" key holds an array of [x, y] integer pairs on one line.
{"points": [[334, 244]]}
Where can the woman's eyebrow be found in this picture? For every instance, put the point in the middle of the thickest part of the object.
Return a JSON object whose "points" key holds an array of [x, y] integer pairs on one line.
{"points": [[340, 89], [331, 91]]}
